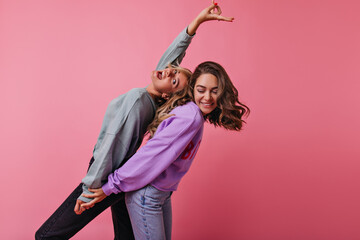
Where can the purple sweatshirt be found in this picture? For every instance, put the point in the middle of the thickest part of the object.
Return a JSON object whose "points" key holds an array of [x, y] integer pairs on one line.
{"points": [[165, 158]]}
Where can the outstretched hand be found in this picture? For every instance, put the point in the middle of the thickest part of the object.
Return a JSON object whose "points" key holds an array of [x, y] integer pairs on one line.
{"points": [[97, 196], [213, 12]]}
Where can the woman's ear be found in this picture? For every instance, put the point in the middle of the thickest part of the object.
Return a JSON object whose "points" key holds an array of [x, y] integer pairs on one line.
{"points": [[165, 96]]}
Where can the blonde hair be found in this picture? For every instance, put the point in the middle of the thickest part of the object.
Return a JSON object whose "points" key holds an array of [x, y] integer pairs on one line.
{"points": [[185, 71], [175, 99], [159, 100]]}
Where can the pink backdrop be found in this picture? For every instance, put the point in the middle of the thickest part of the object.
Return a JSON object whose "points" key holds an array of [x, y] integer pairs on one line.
{"points": [[293, 173]]}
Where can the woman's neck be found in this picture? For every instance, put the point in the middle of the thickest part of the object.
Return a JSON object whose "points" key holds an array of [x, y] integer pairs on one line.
{"points": [[153, 93]]}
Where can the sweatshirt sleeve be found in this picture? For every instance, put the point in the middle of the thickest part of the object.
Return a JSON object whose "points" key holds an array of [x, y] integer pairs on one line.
{"points": [[170, 140], [114, 144], [176, 51]]}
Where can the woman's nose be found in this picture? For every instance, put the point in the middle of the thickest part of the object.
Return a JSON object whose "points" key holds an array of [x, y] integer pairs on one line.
{"points": [[207, 96]]}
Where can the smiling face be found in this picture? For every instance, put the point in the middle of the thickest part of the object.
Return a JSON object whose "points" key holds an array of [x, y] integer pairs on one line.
{"points": [[206, 92], [168, 80]]}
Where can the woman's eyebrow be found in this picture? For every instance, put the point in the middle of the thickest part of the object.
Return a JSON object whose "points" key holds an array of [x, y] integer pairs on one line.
{"points": [[205, 87]]}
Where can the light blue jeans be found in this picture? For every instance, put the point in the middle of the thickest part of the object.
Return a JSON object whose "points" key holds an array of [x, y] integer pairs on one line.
{"points": [[150, 213]]}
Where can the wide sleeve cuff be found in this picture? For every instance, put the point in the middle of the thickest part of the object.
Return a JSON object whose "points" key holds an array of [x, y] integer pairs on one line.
{"points": [[85, 191], [108, 190], [188, 37]]}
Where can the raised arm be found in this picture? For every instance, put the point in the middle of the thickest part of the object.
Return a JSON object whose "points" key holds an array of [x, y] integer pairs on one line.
{"points": [[176, 51]]}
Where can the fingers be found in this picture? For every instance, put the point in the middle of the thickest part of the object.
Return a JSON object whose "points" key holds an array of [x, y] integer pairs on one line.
{"points": [[78, 209], [212, 7], [96, 193], [95, 190], [218, 13], [217, 7], [81, 206], [227, 19], [92, 190], [88, 205], [90, 195], [218, 10]]}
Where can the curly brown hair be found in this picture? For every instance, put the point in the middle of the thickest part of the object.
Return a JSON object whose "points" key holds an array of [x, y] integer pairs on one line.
{"points": [[229, 112]]}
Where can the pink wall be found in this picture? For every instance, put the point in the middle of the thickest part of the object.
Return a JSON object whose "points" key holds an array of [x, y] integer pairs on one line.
{"points": [[293, 173]]}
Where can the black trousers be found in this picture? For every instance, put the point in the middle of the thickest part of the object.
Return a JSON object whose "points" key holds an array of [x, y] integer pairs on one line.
{"points": [[64, 223]]}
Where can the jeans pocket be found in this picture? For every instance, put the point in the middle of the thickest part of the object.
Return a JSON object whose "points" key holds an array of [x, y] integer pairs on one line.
{"points": [[135, 196], [155, 195]]}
